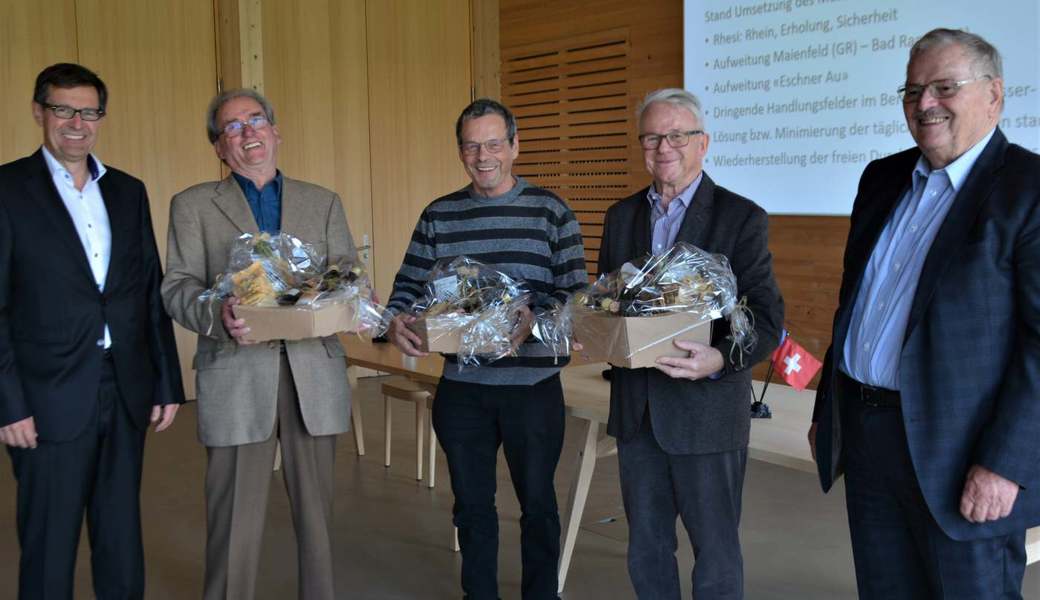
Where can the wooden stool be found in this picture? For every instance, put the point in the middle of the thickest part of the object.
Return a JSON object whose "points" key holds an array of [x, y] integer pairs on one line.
{"points": [[418, 394]]}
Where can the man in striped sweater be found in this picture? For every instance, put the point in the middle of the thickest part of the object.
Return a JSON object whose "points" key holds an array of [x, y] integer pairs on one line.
{"points": [[515, 402]]}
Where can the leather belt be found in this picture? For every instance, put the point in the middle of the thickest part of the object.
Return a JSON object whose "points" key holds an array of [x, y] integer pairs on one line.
{"points": [[870, 396]]}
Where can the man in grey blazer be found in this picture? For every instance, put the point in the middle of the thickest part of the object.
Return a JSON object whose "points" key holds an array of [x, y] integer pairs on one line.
{"points": [[682, 428], [253, 396]]}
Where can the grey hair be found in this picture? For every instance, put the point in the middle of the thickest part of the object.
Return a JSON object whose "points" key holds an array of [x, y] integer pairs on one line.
{"points": [[676, 96], [985, 57], [213, 129]]}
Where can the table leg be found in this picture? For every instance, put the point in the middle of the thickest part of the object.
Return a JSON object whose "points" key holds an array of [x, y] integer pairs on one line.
{"points": [[420, 427], [579, 493]]}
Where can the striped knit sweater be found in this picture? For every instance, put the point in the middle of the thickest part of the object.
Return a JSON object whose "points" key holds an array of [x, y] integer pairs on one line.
{"points": [[528, 233]]}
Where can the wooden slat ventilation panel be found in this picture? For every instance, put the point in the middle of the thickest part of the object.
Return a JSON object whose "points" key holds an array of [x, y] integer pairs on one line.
{"points": [[571, 100]]}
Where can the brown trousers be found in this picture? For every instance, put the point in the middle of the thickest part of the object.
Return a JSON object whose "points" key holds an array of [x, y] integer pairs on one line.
{"points": [[238, 479]]}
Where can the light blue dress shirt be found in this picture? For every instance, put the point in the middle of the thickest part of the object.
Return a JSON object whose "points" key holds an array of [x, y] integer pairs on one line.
{"points": [[665, 224], [886, 293], [89, 216]]}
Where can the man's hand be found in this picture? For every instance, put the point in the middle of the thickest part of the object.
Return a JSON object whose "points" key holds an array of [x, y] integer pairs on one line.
{"points": [[812, 439], [524, 322], [704, 360], [405, 339], [236, 328], [987, 496], [20, 434], [163, 415]]}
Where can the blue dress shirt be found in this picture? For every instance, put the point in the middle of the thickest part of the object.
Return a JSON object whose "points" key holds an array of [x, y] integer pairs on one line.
{"points": [[886, 293], [265, 203], [665, 224]]}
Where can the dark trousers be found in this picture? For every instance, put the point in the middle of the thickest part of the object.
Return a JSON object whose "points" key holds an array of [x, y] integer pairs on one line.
{"points": [[99, 473], [900, 551], [471, 422], [705, 491]]}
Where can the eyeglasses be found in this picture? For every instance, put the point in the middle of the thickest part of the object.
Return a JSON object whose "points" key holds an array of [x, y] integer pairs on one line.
{"points": [[940, 88], [473, 148], [676, 139], [67, 112], [235, 128]]}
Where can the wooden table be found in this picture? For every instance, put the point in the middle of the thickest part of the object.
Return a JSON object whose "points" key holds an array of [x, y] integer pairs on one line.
{"points": [[780, 440]]}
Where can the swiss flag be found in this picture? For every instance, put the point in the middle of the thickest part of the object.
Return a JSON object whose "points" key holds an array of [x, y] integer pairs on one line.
{"points": [[796, 366]]}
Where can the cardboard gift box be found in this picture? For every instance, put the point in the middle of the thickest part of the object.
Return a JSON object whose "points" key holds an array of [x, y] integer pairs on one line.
{"points": [[442, 333], [295, 323], [637, 342]]}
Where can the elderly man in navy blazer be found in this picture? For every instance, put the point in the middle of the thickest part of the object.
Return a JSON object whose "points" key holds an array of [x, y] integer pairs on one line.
{"points": [[683, 427], [930, 398]]}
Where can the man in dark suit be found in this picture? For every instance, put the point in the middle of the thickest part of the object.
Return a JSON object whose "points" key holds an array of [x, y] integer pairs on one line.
{"points": [[87, 356], [683, 428], [930, 396]]}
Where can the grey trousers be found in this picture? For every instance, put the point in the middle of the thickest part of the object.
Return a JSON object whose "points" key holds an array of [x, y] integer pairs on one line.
{"points": [[238, 479], [705, 491]]}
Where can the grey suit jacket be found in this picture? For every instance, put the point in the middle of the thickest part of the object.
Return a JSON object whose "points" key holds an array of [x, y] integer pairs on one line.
{"points": [[237, 385], [705, 416]]}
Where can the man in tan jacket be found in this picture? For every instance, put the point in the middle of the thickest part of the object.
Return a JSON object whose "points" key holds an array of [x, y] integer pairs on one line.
{"points": [[252, 396]]}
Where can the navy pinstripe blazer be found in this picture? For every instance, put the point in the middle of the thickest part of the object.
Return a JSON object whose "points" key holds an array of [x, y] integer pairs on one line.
{"points": [[705, 416], [970, 364]]}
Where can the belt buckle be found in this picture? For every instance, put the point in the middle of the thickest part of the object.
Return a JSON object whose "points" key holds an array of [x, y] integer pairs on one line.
{"points": [[870, 395]]}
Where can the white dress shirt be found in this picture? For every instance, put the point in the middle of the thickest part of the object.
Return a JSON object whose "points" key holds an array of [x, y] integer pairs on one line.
{"points": [[87, 209]]}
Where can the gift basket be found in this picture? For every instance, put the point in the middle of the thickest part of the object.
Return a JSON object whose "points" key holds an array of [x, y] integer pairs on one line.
{"points": [[627, 316], [469, 309], [287, 291]]}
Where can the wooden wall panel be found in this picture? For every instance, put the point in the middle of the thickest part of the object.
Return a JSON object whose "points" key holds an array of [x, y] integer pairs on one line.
{"points": [[158, 61], [298, 81], [419, 82], [33, 35], [571, 98], [485, 49]]}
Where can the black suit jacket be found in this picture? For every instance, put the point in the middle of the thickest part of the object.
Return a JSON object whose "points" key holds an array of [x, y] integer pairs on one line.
{"points": [[706, 416], [52, 313], [970, 363]]}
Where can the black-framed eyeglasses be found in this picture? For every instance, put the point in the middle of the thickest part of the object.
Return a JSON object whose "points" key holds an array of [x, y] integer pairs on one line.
{"points": [[473, 148], [67, 112], [235, 128], [940, 88], [676, 139]]}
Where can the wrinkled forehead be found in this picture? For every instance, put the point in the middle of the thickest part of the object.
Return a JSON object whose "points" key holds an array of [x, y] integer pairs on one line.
{"points": [[950, 60], [670, 115], [238, 109]]}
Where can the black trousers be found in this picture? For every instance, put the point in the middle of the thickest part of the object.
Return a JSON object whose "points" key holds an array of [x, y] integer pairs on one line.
{"points": [[98, 473], [900, 552], [471, 422]]}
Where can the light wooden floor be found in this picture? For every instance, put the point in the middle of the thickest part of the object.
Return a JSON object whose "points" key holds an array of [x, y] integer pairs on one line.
{"points": [[392, 532]]}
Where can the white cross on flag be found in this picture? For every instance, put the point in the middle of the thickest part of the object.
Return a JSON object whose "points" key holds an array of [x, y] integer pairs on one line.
{"points": [[796, 366]]}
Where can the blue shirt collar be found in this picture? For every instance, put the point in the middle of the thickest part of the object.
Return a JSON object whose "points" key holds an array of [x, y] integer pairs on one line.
{"points": [[685, 196], [959, 169], [248, 186]]}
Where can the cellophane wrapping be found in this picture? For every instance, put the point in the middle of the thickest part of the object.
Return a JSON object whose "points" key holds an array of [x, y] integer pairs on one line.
{"points": [[282, 270], [479, 303], [684, 279]]}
